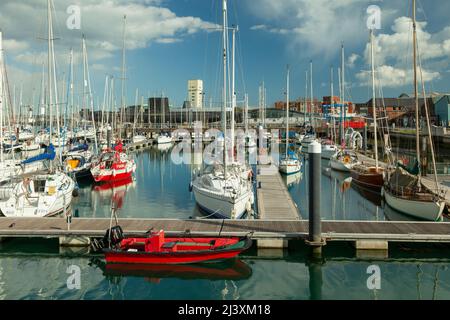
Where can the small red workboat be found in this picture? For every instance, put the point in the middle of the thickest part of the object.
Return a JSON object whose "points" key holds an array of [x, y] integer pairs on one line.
{"points": [[158, 249], [113, 165]]}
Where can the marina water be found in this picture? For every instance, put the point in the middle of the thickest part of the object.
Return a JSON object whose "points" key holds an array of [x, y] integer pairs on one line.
{"points": [[39, 269]]}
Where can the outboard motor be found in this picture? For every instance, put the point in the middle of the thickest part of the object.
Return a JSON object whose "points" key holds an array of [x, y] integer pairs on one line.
{"points": [[111, 239]]}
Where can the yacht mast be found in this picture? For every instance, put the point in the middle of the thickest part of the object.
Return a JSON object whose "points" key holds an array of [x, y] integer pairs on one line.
{"points": [[416, 96], [332, 104], [306, 99], [1, 96], [122, 109], [224, 93], [343, 96], [374, 105], [233, 89], [71, 91], [312, 94], [49, 66], [89, 92], [287, 111]]}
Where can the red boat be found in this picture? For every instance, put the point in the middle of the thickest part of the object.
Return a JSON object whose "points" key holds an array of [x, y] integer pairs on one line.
{"points": [[232, 269], [113, 166], [157, 249]]}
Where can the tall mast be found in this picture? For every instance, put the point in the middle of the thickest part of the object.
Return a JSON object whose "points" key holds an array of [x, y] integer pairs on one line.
{"points": [[233, 89], [343, 95], [105, 100], [42, 106], [89, 92], [416, 96], [374, 105], [224, 93], [312, 94], [287, 111], [123, 75], [1, 96], [246, 113], [49, 85], [332, 104], [306, 99], [71, 90]]}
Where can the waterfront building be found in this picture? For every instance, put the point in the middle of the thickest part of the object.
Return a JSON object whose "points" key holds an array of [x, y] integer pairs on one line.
{"points": [[442, 109], [195, 93]]}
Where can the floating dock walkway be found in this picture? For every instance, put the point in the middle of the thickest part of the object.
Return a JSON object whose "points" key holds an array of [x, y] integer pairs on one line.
{"points": [[273, 198], [366, 234]]}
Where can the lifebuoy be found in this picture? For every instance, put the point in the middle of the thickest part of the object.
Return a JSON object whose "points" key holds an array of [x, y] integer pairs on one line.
{"points": [[346, 159]]}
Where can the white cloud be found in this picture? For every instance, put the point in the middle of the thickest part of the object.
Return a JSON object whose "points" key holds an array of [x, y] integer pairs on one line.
{"points": [[24, 26], [352, 60], [389, 76], [12, 45], [319, 26], [393, 54]]}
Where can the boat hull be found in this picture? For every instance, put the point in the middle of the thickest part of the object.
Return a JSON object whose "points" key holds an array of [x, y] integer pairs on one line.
{"points": [[339, 166], [207, 254], [288, 169], [424, 210], [220, 206], [373, 181], [113, 177]]}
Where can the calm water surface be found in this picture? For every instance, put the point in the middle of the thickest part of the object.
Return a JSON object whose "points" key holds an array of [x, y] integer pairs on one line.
{"points": [[37, 269]]}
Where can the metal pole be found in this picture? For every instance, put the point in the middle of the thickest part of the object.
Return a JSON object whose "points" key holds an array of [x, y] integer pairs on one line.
{"points": [[315, 227], [365, 138]]}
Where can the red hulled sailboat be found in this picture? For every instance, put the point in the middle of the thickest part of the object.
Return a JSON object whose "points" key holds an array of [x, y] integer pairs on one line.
{"points": [[113, 165]]}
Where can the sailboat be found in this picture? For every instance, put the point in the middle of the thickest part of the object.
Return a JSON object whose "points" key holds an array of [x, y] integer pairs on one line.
{"points": [[403, 189], [329, 148], [310, 136], [220, 190], [343, 160], [45, 193], [371, 177], [290, 164]]}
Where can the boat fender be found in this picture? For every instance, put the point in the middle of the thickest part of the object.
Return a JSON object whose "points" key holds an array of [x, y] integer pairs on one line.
{"points": [[248, 207], [190, 187]]}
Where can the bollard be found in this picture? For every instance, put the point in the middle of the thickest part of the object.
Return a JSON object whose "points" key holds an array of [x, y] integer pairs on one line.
{"points": [[315, 224]]}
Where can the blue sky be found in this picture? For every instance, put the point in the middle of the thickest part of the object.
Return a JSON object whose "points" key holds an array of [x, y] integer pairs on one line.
{"points": [[170, 41]]}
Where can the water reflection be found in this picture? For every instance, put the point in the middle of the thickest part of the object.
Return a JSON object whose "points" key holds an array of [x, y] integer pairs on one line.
{"points": [[339, 275], [340, 198], [292, 179], [233, 269]]}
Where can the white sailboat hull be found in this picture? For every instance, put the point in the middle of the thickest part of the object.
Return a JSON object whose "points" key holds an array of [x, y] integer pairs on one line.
{"points": [[340, 166], [290, 167], [328, 152], [38, 205], [424, 210], [221, 205]]}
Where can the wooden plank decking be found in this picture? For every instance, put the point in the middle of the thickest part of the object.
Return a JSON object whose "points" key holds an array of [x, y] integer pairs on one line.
{"points": [[274, 200], [438, 232]]}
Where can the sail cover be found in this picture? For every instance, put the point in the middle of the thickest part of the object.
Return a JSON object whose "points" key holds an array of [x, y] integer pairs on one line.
{"points": [[48, 155]]}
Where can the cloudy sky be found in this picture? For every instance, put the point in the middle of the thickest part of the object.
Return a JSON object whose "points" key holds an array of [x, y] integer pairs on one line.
{"points": [[171, 41]]}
